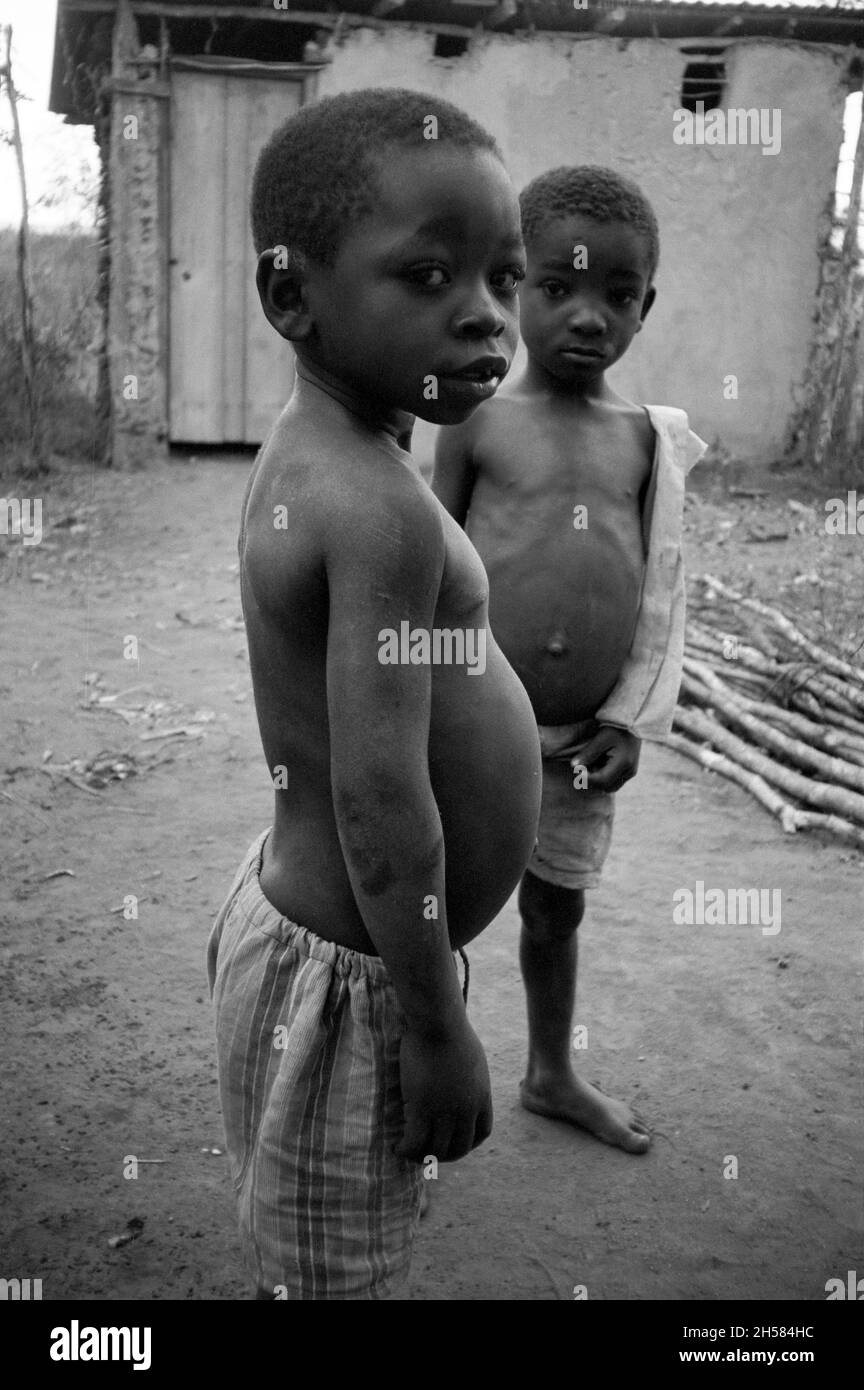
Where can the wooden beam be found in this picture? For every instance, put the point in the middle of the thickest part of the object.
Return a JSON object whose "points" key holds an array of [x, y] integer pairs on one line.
{"points": [[192, 11], [842, 19], [501, 14], [727, 27], [611, 20], [131, 88], [124, 41], [322, 19]]}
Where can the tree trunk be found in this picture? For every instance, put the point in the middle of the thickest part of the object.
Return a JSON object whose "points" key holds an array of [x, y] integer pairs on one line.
{"points": [[28, 355]]}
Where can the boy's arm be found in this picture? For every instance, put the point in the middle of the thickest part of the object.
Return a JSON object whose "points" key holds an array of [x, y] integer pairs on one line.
{"points": [[386, 813], [455, 472]]}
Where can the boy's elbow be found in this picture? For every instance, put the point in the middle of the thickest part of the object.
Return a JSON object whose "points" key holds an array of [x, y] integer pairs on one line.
{"points": [[390, 833], [371, 789]]}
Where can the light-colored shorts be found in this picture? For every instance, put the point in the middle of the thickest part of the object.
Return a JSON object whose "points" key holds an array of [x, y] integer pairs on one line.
{"points": [[307, 1036], [575, 828]]}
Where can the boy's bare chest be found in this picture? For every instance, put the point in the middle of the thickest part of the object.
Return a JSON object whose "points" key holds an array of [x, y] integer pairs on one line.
{"points": [[464, 586], [548, 476]]}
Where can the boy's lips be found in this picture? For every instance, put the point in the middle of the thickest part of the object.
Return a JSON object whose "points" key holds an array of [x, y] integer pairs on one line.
{"points": [[478, 380], [482, 369], [583, 354]]}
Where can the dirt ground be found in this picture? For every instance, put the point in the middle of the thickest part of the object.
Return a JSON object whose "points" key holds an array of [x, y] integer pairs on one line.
{"points": [[731, 1043]]}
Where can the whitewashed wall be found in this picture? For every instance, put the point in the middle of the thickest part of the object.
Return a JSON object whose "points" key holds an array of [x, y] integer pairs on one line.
{"points": [[739, 229]]}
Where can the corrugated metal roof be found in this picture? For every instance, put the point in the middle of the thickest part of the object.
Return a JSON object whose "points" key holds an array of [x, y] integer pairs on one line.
{"points": [[699, 20], [823, 10], [836, 10]]}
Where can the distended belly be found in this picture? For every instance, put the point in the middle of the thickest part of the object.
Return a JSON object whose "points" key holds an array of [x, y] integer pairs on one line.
{"points": [[566, 632], [484, 764]]}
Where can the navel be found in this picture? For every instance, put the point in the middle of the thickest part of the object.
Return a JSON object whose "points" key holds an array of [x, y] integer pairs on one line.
{"points": [[556, 644]]}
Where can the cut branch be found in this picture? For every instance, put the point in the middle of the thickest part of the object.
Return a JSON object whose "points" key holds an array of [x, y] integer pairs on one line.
{"points": [[734, 711], [827, 659], [792, 675], [832, 740], [791, 818], [751, 781], [835, 800]]}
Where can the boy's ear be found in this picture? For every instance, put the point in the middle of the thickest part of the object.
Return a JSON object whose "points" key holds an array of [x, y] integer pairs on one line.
{"points": [[650, 296], [281, 282]]}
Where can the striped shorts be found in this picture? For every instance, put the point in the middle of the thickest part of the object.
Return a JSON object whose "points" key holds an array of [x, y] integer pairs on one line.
{"points": [[307, 1036]]}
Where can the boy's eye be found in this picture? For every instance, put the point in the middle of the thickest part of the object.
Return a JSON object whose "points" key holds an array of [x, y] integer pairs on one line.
{"points": [[506, 280], [553, 289], [429, 277], [623, 296]]}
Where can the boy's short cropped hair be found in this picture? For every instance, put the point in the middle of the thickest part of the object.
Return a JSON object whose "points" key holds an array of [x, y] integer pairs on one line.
{"points": [[316, 176], [594, 192]]}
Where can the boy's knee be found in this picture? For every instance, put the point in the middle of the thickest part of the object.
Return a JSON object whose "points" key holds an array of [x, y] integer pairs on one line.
{"points": [[548, 908]]}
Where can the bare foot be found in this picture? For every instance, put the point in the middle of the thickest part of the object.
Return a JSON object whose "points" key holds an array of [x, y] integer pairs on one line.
{"points": [[584, 1105]]}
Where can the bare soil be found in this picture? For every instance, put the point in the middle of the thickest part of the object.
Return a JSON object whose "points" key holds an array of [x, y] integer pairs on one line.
{"points": [[732, 1044]]}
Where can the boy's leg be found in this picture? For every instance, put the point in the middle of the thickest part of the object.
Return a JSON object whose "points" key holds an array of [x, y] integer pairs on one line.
{"points": [[548, 954]]}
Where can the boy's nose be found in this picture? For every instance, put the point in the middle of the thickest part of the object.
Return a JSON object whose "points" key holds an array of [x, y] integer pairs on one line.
{"points": [[586, 319], [482, 318]]}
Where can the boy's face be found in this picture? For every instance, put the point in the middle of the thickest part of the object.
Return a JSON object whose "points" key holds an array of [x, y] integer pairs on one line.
{"points": [[586, 294], [420, 311]]}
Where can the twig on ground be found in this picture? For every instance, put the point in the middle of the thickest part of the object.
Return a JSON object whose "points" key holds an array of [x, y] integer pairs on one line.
{"points": [[18, 801]]}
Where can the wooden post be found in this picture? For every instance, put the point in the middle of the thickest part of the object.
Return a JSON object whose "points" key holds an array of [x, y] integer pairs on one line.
{"points": [[836, 400], [851, 251], [26, 297]]}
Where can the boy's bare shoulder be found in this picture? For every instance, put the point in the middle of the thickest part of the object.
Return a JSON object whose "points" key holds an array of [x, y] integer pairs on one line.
{"points": [[506, 417], [636, 415], [313, 500], [510, 404]]}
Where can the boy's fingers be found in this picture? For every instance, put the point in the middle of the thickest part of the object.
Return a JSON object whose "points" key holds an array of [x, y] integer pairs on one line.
{"points": [[589, 752], [618, 769], [483, 1127], [461, 1142], [446, 1139], [605, 779], [414, 1143], [442, 1140], [573, 750]]}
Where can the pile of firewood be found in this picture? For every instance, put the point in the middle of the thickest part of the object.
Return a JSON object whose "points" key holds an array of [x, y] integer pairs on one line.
{"points": [[774, 711]]}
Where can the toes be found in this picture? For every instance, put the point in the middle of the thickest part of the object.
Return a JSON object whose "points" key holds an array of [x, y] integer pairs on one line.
{"points": [[636, 1139]]}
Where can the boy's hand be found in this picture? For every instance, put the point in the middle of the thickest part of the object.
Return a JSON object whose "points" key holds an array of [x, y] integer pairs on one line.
{"points": [[446, 1094], [611, 758]]}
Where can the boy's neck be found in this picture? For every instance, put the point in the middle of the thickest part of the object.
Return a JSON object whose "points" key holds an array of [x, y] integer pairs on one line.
{"points": [[397, 424], [536, 379]]}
